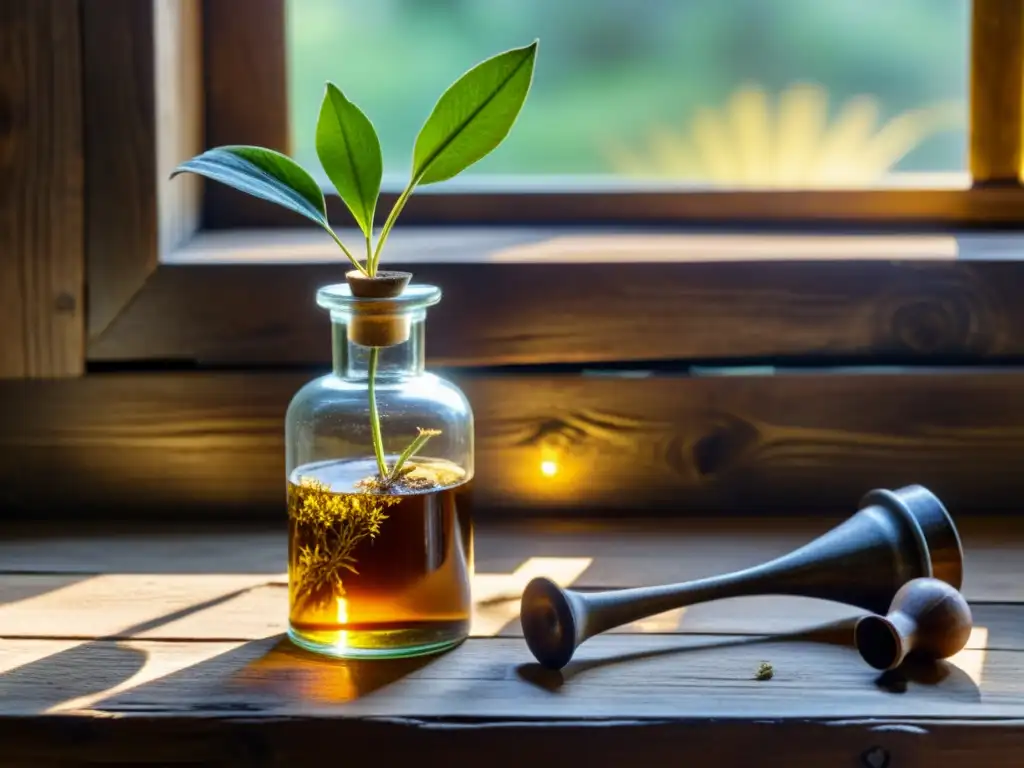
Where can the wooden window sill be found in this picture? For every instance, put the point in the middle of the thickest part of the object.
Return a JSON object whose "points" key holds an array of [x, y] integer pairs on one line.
{"points": [[147, 647], [637, 244], [637, 296]]}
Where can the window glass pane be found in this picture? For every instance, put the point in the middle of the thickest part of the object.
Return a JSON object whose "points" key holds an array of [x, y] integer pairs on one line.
{"points": [[792, 93]]}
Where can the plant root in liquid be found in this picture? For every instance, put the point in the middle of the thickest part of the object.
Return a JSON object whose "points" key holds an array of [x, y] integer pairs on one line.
{"points": [[378, 571]]}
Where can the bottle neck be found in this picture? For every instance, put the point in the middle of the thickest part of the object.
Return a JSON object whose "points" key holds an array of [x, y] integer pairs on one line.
{"points": [[397, 361]]}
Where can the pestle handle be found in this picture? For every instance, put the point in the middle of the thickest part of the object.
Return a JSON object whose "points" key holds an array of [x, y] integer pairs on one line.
{"points": [[896, 536], [556, 620]]}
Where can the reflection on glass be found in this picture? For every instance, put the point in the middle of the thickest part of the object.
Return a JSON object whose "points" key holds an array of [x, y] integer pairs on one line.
{"points": [[762, 93]]}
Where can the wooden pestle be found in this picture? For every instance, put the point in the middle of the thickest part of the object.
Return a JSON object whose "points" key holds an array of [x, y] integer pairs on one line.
{"points": [[928, 617], [896, 536]]}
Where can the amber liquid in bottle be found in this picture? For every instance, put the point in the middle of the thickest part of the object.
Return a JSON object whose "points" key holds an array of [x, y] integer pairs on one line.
{"points": [[378, 573]]}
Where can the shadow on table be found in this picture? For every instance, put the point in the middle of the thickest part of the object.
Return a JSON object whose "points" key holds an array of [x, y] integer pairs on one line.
{"points": [[954, 681], [42, 683], [260, 675], [56, 672]]}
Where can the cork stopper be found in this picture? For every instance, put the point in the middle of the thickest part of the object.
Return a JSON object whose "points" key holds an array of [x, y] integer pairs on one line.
{"points": [[383, 285], [374, 326], [378, 311]]}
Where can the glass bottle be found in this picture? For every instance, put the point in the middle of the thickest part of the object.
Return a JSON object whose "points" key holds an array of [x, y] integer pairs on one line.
{"points": [[378, 569]]}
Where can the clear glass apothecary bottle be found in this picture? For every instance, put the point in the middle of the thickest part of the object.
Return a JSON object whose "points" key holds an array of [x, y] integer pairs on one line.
{"points": [[378, 567]]}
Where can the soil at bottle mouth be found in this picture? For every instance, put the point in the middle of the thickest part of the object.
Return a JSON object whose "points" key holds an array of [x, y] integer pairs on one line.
{"points": [[416, 477]]}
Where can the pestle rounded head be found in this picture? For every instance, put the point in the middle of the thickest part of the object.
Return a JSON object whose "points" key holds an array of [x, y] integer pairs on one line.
{"points": [[928, 617], [941, 615], [549, 625]]}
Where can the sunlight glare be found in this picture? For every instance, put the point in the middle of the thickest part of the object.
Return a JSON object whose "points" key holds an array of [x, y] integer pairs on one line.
{"points": [[496, 596], [664, 622], [972, 658], [342, 613], [137, 604]]}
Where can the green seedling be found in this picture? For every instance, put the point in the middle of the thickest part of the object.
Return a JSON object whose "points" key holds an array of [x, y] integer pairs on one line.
{"points": [[469, 121]]}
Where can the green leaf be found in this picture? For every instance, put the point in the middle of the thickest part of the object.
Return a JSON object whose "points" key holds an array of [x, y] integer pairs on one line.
{"points": [[262, 173], [349, 151], [473, 116]]}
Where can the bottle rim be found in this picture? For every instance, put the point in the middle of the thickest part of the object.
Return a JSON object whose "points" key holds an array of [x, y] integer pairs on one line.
{"points": [[338, 298]]}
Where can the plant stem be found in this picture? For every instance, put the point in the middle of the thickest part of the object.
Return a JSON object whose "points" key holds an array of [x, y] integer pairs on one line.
{"points": [[418, 442], [370, 265], [390, 222], [378, 441], [372, 259], [353, 259]]}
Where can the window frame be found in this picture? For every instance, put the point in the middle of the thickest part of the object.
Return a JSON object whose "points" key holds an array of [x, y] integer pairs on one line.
{"points": [[166, 70], [256, 44]]}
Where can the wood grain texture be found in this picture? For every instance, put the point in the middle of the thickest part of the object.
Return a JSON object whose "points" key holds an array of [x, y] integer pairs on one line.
{"points": [[247, 47], [172, 669], [624, 552], [615, 677], [122, 232], [253, 606], [49, 742], [180, 444], [947, 201], [178, 52], [997, 91], [539, 296], [41, 198], [143, 116]]}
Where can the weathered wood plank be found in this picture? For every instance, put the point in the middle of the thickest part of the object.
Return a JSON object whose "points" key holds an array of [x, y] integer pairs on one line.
{"points": [[143, 115], [941, 201], [624, 552], [41, 197], [159, 607], [179, 97], [175, 443], [51, 742], [623, 677], [251, 607], [192, 584], [122, 238], [243, 47], [634, 297], [997, 85], [619, 685]]}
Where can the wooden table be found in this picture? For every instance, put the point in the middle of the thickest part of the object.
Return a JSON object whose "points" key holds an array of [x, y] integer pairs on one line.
{"points": [[165, 647]]}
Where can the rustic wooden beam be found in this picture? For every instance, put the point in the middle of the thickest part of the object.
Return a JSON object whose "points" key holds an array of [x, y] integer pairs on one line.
{"points": [[143, 115], [243, 48], [189, 444], [120, 145], [178, 53], [41, 263], [44, 741], [516, 296], [943, 204], [997, 91]]}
